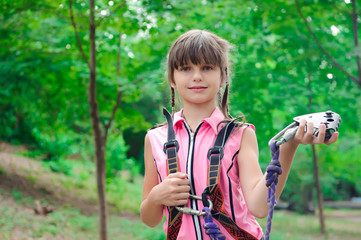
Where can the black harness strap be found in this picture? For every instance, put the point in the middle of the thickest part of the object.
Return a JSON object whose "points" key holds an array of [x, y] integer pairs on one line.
{"points": [[215, 154], [171, 148], [213, 190]]}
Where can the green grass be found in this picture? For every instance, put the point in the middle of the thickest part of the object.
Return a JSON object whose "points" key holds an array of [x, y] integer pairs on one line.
{"points": [[18, 221], [289, 225]]}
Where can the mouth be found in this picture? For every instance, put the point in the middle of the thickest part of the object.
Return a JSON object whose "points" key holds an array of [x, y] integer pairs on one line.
{"points": [[197, 89]]}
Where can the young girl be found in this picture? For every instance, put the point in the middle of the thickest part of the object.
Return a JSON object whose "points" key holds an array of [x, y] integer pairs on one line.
{"points": [[198, 69]]}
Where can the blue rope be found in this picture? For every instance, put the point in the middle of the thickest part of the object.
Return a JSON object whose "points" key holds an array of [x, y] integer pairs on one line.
{"points": [[273, 171], [212, 230]]}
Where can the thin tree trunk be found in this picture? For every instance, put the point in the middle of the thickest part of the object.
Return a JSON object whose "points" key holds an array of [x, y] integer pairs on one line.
{"points": [[99, 143], [319, 190], [315, 168], [355, 36]]}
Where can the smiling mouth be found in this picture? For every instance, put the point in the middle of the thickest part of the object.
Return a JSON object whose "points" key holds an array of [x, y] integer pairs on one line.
{"points": [[197, 87]]}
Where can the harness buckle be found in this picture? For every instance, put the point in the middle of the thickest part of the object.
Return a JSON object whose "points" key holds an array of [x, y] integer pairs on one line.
{"points": [[170, 144], [214, 151]]}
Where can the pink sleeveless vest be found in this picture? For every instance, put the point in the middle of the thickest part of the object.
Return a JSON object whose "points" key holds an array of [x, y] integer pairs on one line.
{"points": [[192, 155]]}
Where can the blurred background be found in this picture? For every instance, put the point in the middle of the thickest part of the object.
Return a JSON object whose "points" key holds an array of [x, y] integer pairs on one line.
{"points": [[289, 58]]}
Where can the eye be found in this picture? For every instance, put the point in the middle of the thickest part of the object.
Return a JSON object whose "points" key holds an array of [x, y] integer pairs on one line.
{"points": [[184, 69], [208, 67]]}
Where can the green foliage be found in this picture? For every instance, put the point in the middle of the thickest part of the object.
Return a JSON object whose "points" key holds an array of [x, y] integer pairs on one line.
{"points": [[116, 157], [277, 69], [17, 195], [59, 166]]}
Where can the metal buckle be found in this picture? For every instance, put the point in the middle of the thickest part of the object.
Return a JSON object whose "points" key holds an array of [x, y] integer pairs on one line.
{"points": [[191, 211], [215, 150], [170, 144]]}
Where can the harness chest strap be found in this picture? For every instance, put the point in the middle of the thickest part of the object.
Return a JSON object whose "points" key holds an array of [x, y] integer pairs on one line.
{"points": [[171, 148], [213, 189]]}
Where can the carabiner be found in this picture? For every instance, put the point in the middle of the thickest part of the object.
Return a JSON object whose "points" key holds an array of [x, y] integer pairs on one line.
{"points": [[191, 211]]}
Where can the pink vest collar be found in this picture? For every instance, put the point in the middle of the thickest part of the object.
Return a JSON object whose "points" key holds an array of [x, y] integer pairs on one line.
{"points": [[213, 120]]}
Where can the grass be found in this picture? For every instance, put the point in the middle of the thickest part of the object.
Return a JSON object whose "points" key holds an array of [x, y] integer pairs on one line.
{"points": [[18, 221], [290, 225]]}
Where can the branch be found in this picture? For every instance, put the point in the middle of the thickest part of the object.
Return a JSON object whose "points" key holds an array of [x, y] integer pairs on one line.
{"points": [[323, 50], [119, 94], [80, 46], [114, 10], [355, 37], [107, 126]]}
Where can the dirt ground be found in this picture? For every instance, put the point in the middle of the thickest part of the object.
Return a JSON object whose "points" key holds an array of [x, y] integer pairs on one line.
{"points": [[17, 172], [14, 175]]}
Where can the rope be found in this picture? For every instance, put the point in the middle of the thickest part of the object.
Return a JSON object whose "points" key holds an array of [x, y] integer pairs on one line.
{"points": [[212, 230], [273, 171]]}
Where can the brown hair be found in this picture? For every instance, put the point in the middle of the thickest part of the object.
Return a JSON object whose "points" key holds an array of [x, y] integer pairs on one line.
{"points": [[197, 47]]}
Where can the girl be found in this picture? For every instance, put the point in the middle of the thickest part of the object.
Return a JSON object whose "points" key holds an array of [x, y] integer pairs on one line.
{"points": [[198, 69]]}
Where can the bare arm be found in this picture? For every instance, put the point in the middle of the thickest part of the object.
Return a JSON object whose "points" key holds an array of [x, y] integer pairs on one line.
{"points": [[253, 181], [172, 191]]}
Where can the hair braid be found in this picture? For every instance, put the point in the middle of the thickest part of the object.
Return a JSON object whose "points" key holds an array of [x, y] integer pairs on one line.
{"points": [[219, 98], [224, 106], [173, 100]]}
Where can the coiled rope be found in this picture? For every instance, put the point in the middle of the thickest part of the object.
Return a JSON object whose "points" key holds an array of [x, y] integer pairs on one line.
{"points": [[273, 171]]}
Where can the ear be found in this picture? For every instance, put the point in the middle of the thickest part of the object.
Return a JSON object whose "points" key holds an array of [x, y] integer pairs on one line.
{"points": [[223, 82], [172, 84]]}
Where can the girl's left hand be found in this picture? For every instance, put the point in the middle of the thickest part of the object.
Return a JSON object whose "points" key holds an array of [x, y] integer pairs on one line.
{"points": [[307, 137]]}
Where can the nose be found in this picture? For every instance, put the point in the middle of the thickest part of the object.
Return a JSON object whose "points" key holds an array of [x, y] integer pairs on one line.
{"points": [[197, 75]]}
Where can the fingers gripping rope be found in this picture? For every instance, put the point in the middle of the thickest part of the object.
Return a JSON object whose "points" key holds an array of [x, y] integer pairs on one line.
{"points": [[273, 171], [212, 230]]}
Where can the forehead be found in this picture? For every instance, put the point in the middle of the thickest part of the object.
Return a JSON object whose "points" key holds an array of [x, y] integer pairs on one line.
{"points": [[197, 50]]}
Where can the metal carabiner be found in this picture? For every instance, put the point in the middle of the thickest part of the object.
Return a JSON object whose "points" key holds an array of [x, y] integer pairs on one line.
{"points": [[191, 211]]}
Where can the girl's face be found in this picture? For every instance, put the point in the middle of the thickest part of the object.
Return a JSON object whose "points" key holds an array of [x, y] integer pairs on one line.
{"points": [[197, 84]]}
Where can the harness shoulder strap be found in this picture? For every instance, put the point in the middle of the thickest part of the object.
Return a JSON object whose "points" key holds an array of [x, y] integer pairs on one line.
{"points": [[213, 190], [171, 148]]}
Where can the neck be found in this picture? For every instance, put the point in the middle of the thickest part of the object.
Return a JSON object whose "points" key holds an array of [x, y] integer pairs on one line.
{"points": [[194, 113]]}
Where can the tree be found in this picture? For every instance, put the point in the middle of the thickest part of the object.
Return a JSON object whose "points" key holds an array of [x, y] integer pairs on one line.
{"points": [[100, 138], [357, 79]]}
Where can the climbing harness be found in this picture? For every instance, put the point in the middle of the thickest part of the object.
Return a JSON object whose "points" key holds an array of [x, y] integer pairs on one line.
{"points": [[213, 190], [212, 196], [332, 121]]}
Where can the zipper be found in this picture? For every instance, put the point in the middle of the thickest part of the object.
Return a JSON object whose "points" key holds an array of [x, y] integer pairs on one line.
{"points": [[194, 203]]}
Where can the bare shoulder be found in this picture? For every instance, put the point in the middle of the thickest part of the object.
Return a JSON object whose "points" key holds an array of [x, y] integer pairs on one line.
{"points": [[147, 148], [248, 136]]}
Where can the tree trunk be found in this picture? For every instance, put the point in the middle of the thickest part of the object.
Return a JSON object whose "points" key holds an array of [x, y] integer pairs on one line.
{"points": [[98, 139], [315, 167], [319, 190]]}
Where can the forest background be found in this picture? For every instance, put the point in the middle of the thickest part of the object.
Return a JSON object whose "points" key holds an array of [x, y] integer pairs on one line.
{"points": [[289, 58]]}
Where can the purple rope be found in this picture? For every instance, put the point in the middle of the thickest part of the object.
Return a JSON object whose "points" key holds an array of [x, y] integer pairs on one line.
{"points": [[212, 230], [273, 171]]}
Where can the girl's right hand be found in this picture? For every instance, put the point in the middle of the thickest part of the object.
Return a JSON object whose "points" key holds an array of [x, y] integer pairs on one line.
{"points": [[172, 191]]}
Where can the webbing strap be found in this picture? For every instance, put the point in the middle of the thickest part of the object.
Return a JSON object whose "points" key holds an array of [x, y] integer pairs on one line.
{"points": [[219, 213], [213, 189], [215, 154], [171, 148]]}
